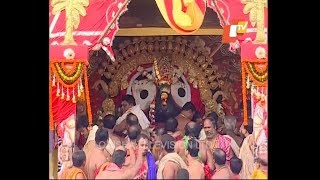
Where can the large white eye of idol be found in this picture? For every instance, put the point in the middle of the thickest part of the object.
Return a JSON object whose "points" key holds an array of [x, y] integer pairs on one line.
{"points": [[181, 92], [144, 92]]}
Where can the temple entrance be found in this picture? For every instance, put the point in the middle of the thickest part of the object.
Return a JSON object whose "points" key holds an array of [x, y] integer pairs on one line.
{"points": [[141, 53], [200, 72]]}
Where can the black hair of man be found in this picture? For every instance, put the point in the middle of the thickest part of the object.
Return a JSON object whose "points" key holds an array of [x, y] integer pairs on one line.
{"points": [[118, 157], [142, 136], [160, 131], [78, 158], [196, 116], [193, 147], [109, 121], [102, 136], [133, 132], [192, 129], [168, 143], [189, 106], [235, 165], [132, 119], [182, 174], [213, 115], [171, 124], [129, 99], [82, 122], [213, 121], [219, 156]]}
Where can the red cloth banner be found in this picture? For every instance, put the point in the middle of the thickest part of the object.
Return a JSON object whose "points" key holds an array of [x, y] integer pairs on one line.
{"points": [[60, 52], [67, 70], [99, 15]]}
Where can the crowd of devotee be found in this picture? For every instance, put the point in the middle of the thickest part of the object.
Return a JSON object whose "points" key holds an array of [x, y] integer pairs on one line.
{"points": [[187, 146]]}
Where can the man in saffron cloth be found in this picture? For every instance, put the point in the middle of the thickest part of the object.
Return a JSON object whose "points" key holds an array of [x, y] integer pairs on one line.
{"points": [[116, 169], [97, 154], [222, 171], [76, 171]]}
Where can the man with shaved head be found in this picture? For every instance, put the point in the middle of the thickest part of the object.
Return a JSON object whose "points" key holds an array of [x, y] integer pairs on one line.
{"points": [[115, 169], [171, 127], [221, 171], [195, 167], [171, 162], [192, 130]]}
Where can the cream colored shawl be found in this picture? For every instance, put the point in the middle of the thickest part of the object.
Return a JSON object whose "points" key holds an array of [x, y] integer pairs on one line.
{"points": [[247, 159], [174, 157]]}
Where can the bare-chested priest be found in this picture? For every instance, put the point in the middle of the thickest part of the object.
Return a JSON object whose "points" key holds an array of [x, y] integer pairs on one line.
{"points": [[170, 162], [185, 116], [115, 169], [195, 166], [97, 155]]}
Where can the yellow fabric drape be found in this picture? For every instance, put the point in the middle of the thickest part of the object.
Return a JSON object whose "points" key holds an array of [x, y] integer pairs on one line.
{"points": [[183, 16]]}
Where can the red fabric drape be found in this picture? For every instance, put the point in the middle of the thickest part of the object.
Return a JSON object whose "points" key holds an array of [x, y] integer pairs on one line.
{"points": [[196, 99], [61, 109], [99, 15]]}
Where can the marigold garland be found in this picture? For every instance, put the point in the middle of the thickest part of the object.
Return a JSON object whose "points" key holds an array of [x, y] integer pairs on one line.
{"points": [[68, 81], [259, 69], [255, 75], [259, 78], [86, 84], [244, 97]]}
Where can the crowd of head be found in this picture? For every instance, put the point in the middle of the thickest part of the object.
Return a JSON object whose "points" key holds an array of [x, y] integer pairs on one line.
{"points": [[187, 146]]}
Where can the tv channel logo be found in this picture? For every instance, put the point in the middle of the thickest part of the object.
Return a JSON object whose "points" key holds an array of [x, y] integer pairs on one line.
{"points": [[231, 32]]}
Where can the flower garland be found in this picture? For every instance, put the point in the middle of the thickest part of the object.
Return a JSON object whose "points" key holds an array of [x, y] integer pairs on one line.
{"points": [[58, 77], [244, 97], [259, 76], [68, 80], [86, 84]]}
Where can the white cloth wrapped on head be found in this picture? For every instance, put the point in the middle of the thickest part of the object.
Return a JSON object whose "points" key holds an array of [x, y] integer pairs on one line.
{"points": [[136, 110]]}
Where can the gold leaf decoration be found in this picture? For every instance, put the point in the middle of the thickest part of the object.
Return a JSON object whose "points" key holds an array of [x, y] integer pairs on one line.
{"points": [[256, 17], [74, 8]]}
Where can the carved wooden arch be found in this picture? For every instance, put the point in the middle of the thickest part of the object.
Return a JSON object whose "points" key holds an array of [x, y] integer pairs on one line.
{"points": [[192, 57]]}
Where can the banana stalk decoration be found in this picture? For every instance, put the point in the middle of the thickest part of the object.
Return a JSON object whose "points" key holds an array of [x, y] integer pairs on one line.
{"points": [[74, 8], [256, 10]]}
